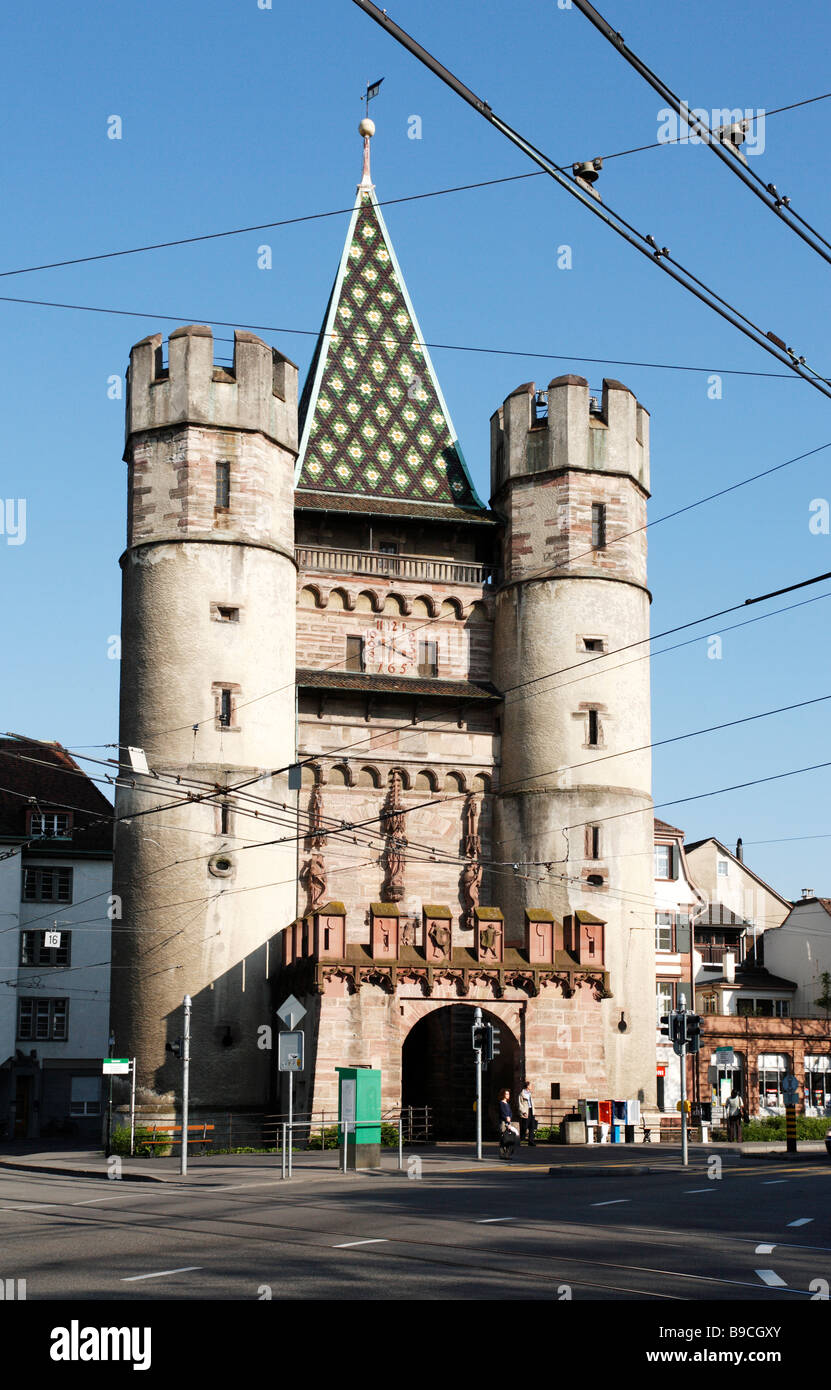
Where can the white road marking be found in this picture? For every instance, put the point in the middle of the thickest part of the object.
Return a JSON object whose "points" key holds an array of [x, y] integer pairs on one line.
{"points": [[160, 1274], [691, 1190], [771, 1278], [803, 1221], [774, 1182], [765, 1249], [616, 1202], [347, 1244], [489, 1220]]}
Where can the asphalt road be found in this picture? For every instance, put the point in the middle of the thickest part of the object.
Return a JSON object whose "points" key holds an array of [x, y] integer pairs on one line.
{"points": [[761, 1232]]}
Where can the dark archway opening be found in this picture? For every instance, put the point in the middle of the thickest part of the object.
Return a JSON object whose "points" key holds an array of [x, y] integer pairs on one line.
{"points": [[437, 1070]]}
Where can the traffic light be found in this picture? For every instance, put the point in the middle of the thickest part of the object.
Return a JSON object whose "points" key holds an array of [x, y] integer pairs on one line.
{"points": [[175, 1047], [495, 1044], [693, 1032], [479, 1037], [666, 1020]]}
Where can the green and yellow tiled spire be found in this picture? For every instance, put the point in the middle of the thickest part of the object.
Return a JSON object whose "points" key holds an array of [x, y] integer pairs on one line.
{"points": [[372, 416]]}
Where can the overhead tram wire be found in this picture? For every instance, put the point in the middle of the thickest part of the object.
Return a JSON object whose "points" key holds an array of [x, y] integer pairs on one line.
{"points": [[339, 212], [765, 192], [645, 243], [442, 347]]}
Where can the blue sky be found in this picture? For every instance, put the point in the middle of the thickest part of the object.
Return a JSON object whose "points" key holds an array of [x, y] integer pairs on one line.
{"points": [[234, 115]]}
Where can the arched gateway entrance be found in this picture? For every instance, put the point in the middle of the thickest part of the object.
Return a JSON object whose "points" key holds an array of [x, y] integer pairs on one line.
{"points": [[437, 1070]]}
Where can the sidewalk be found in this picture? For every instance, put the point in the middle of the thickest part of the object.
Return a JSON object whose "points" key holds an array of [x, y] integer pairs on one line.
{"points": [[579, 1160]]}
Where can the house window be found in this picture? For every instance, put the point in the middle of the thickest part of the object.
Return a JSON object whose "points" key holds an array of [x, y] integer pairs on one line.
{"points": [[354, 654], [709, 1003], [35, 948], [593, 737], [85, 1095], [763, 1008], [50, 825], [598, 525], [47, 885], [223, 486], [723, 867], [42, 1020], [663, 931], [428, 658], [772, 1067], [664, 998], [663, 856], [592, 841]]}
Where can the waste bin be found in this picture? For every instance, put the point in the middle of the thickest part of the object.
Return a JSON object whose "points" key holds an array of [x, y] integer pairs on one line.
{"points": [[573, 1130]]}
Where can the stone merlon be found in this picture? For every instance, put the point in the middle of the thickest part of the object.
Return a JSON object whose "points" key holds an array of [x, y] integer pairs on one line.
{"points": [[526, 438], [258, 392]]}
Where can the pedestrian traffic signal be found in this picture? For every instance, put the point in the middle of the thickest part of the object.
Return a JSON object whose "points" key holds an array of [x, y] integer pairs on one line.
{"points": [[693, 1032], [175, 1047], [479, 1037]]}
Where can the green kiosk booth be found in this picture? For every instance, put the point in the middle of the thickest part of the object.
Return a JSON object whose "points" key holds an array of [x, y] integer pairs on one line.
{"points": [[359, 1116]]}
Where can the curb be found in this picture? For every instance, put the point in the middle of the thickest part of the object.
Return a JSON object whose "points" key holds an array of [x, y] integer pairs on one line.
{"points": [[80, 1172]]}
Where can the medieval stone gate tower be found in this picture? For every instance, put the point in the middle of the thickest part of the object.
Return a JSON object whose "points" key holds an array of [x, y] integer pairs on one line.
{"points": [[207, 692], [474, 820]]}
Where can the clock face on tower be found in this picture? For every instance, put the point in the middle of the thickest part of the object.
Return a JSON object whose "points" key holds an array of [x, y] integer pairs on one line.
{"points": [[390, 648]]}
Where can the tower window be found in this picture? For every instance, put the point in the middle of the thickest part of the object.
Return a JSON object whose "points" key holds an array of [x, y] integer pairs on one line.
{"points": [[593, 644], [226, 703], [592, 841], [354, 654], [223, 485], [593, 739], [225, 708], [598, 525], [224, 613], [428, 658]]}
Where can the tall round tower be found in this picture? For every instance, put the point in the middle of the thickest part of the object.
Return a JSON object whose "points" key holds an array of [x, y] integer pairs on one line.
{"points": [[207, 692], [570, 477]]}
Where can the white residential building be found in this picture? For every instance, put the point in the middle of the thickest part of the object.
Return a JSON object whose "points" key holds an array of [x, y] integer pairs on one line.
{"points": [[55, 929]]}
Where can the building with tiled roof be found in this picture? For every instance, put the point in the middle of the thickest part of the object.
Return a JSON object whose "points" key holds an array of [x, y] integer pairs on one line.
{"points": [[318, 585], [56, 836]]}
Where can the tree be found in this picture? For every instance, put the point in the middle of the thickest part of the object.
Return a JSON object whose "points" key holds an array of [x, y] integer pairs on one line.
{"points": [[824, 1002]]}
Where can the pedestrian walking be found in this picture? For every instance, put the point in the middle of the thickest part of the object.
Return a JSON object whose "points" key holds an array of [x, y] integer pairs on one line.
{"points": [[527, 1118], [508, 1132], [733, 1111]]}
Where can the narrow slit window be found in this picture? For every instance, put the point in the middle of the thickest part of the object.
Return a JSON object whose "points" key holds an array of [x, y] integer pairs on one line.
{"points": [[594, 729], [598, 525], [223, 485], [354, 653], [224, 818], [592, 841], [225, 708], [428, 658]]}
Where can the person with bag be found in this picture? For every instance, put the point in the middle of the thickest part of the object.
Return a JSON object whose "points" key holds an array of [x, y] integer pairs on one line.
{"points": [[527, 1118], [508, 1133]]}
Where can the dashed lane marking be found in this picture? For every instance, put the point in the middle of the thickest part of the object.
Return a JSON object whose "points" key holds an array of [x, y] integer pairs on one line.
{"points": [[348, 1243], [690, 1191], [774, 1182], [771, 1278], [616, 1202], [765, 1249], [160, 1274], [490, 1220], [803, 1221]]}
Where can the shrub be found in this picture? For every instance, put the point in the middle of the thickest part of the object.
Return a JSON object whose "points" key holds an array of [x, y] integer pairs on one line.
{"points": [[120, 1142]]}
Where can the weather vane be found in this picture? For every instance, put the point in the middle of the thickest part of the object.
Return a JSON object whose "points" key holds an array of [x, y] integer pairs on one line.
{"points": [[372, 90]]}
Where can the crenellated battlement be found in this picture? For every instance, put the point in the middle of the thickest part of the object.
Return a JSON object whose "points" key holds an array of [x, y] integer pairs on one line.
{"points": [[562, 428], [259, 392]]}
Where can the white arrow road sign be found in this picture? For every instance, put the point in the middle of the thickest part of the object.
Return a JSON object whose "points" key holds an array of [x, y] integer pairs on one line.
{"points": [[291, 1012]]}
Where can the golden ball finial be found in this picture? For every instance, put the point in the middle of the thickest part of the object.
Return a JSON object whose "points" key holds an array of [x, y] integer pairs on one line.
{"points": [[367, 127]]}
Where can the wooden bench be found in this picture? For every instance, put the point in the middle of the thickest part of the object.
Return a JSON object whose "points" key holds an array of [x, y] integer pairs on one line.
{"points": [[168, 1133]]}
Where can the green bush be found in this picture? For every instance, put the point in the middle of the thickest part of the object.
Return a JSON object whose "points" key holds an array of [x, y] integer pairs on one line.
{"points": [[120, 1142], [772, 1128], [330, 1138]]}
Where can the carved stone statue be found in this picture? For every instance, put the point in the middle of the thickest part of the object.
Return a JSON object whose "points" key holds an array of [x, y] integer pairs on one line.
{"points": [[471, 840], [440, 937], [313, 878], [489, 939], [394, 856], [315, 836], [471, 881]]}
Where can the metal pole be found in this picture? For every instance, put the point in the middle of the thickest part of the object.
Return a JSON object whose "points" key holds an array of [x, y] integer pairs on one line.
{"points": [[283, 1147], [477, 1053], [133, 1110], [183, 1167], [685, 1158], [345, 1141], [291, 1120]]}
